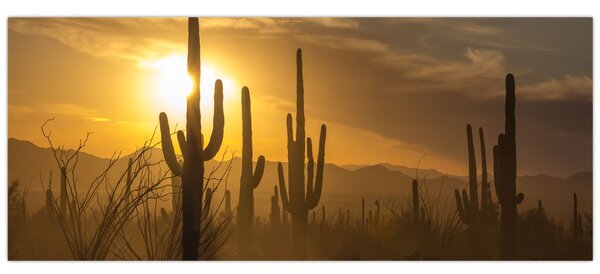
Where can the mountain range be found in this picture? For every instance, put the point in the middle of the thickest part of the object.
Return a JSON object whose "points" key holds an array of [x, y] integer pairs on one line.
{"points": [[343, 187]]}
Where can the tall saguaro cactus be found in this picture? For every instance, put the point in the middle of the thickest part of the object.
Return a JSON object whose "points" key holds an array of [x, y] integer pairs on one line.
{"points": [[468, 205], [505, 175], [249, 180], [486, 197], [192, 147], [298, 202]]}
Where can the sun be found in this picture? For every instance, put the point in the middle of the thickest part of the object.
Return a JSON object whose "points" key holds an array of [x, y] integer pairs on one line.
{"points": [[173, 84]]}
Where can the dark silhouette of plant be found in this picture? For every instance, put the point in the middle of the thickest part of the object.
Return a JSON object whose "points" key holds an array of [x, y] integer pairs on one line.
{"points": [[275, 215], [299, 202], [505, 175], [415, 202], [192, 147], [576, 223], [477, 218], [249, 180], [91, 237]]}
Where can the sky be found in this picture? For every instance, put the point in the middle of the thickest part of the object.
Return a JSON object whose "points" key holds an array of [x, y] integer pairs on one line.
{"points": [[390, 90]]}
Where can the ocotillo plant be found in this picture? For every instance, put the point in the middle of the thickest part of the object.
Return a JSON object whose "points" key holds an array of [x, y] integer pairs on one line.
{"points": [[192, 147], [298, 202], [275, 211], [249, 180], [505, 175], [576, 226], [415, 201]]}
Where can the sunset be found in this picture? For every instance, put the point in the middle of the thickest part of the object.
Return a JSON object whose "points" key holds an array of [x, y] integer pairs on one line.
{"points": [[300, 138]]}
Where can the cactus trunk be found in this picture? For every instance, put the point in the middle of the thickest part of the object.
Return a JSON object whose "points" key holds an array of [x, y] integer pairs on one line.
{"points": [[505, 174], [249, 179], [192, 148], [485, 186]]}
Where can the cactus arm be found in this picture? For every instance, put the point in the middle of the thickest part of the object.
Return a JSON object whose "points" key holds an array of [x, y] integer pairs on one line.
{"points": [[282, 189], [259, 170], [484, 175], [167, 145], [216, 138], [474, 203], [181, 141], [290, 130], [519, 198], [310, 168], [320, 167], [459, 205], [466, 202], [300, 131]]}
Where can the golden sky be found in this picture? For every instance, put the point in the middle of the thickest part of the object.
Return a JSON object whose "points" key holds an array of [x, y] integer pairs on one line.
{"points": [[389, 90]]}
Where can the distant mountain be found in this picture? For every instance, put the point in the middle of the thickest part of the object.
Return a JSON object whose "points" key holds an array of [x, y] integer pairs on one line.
{"points": [[343, 187], [409, 171]]}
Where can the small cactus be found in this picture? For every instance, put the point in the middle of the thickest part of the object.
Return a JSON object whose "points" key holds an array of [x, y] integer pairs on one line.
{"points": [[275, 210]]}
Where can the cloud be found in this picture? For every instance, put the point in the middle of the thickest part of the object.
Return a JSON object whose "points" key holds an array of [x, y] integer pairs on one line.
{"points": [[556, 89], [58, 109], [343, 23], [338, 42], [112, 38]]}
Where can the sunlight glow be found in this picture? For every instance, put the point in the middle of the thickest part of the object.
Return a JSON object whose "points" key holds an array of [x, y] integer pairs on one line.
{"points": [[172, 83]]}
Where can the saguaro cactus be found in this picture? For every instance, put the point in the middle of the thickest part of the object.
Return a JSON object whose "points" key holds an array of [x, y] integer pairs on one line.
{"points": [[192, 147], [486, 196], [298, 202], [505, 175], [249, 180], [275, 210]]}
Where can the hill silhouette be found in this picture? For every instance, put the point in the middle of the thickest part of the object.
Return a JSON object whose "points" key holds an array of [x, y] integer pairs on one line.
{"points": [[343, 187]]}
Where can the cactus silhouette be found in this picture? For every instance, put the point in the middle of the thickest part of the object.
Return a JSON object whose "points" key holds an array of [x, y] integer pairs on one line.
{"points": [[298, 202], [505, 175], [275, 210], [176, 190], [192, 147], [468, 205], [249, 179], [576, 225], [486, 195], [415, 201]]}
